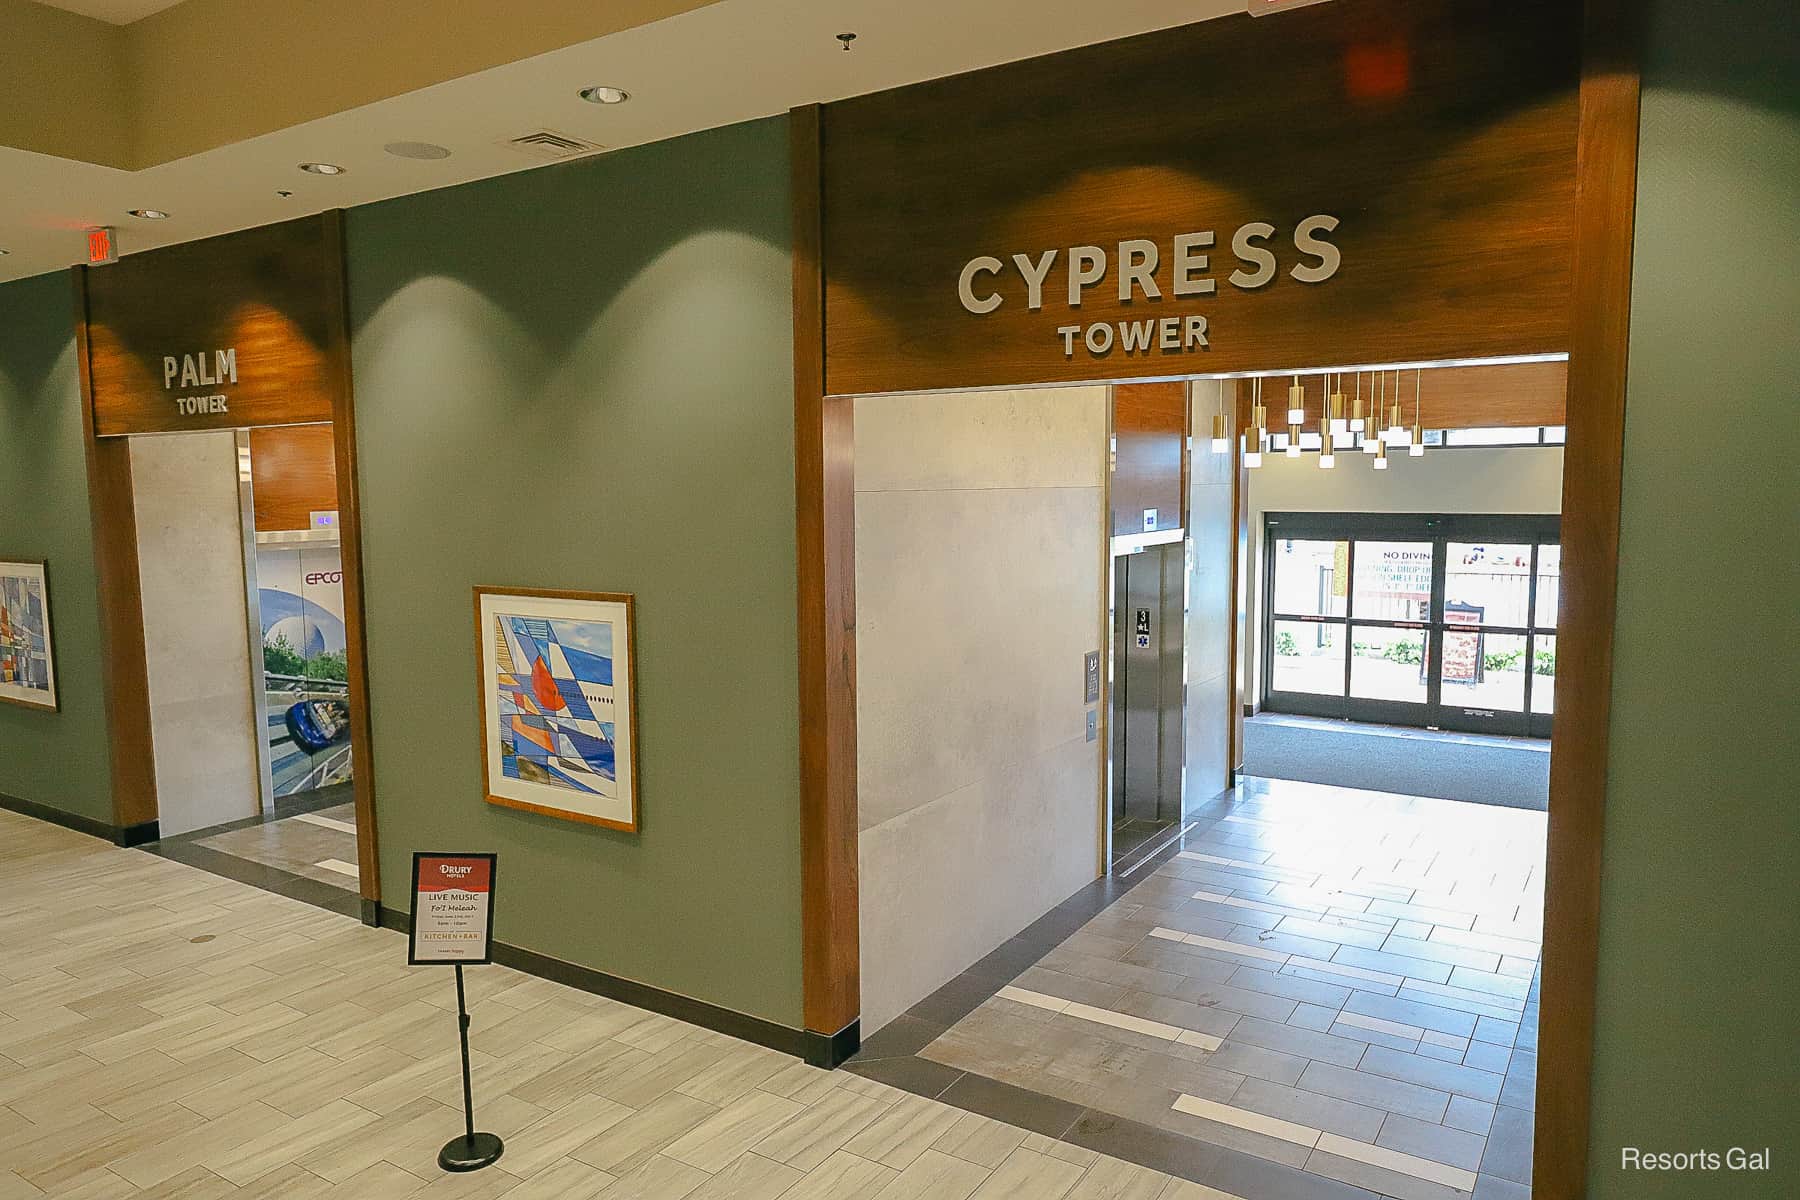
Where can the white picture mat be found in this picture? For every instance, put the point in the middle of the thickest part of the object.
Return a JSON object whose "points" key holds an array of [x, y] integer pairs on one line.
{"points": [[496, 605]]}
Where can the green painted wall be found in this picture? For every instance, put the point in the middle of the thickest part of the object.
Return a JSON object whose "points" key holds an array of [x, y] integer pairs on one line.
{"points": [[1697, 1028], [59, 758], [581, 377]]}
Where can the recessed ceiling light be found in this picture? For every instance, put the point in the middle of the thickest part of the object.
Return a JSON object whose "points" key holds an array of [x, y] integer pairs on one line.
{"points": [[321, 168], [420, 150], [605, 95], [150, 214]]}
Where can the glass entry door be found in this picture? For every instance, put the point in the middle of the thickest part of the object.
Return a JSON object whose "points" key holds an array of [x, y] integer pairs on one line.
{"points": [[1441, 621]]}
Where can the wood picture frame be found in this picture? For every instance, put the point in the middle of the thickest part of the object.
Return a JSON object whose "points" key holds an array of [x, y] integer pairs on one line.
{"points": [[559, 732], [19, 634]]}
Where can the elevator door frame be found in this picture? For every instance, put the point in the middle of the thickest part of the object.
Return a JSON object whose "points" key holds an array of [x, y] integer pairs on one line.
{"points": [[1169, 634]]}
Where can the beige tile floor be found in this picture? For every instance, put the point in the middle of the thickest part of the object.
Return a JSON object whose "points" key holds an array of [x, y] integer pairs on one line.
{"points": [[169, 1034]]}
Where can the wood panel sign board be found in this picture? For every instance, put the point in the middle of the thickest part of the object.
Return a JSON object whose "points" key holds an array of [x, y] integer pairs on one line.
{"points": [[1353, 182], [225, 333]]}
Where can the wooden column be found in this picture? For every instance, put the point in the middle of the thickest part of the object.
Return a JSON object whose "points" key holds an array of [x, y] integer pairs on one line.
{"points": [[343, 435], [1605, 199], [825, 500], [124, 670]]}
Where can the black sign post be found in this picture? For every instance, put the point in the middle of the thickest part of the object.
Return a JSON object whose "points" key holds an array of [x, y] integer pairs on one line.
{"points": [[453, 923]]}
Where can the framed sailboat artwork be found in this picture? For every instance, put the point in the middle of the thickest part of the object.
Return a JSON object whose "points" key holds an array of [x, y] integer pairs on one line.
{"points": [[558, 698]]}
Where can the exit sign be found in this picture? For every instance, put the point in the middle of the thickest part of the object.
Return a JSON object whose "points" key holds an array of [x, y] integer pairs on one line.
{"points": [[1262, 8], [103, 246]]}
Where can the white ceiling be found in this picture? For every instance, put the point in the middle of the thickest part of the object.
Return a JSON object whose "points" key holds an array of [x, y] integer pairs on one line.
{"points": [[731, 61], [118, 12]]}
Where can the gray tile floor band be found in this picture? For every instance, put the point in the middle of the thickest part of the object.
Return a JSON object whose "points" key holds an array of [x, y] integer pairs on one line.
{"points": [[280, 851], [1287, 1004]]}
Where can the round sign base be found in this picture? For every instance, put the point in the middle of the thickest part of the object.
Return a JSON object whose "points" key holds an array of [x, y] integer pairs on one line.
{"points": [[470, 1153]]}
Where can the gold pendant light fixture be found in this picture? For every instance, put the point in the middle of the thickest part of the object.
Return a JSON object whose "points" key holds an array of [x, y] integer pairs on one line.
{"points": [[1397, 432], [1372, 428], [1296, 417], [1417, 449], [1380, 441], [1327, 459], [1379, 420], [1256, 437], [1221, 424]]}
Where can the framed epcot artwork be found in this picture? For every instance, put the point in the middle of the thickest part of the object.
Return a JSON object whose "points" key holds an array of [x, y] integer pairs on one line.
{"points": [[27, 654], [558, 703]]}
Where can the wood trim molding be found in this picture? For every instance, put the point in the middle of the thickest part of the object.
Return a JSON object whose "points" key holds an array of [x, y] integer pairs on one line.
{"points": [[825, 527], [1240, 548], [1605, 199], [343, 433], [124, 669]]}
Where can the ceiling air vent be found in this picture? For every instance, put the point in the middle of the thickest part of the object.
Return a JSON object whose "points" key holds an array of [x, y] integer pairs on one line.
{"points": [[547, 143]]}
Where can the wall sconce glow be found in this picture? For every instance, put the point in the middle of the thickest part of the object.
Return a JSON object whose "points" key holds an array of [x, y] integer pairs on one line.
{"points": [[605, 95], [149, 214], [321, 168]]}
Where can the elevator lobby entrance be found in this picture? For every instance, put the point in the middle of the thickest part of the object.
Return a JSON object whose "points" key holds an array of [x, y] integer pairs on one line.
{"points": [[250, 707], [1282, 985]]}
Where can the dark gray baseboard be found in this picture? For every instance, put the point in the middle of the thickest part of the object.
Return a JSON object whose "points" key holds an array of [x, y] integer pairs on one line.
{"points": [[827, 1051], [118, 835]]}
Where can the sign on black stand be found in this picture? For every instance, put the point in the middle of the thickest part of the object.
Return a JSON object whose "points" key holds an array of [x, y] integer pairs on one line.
{"points": [[453, 924]]}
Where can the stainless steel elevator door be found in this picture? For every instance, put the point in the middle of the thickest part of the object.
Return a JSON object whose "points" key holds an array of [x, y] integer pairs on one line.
{"points": [[1147, 684]]}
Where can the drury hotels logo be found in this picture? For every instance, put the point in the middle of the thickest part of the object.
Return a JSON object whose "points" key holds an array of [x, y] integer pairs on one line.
{"points": [[1140, 269], [1738, 1158]]}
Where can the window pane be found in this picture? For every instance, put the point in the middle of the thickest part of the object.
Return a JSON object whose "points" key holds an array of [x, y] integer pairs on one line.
{"points": [[1393, 580], [1549, 585], [1486, 584], [1543, 683], [1387, 664], [1524, 435], [1484, 670], [1308, 658], [1309, 577]]}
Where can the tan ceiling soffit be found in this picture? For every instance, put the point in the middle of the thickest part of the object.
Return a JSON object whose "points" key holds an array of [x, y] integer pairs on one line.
{"points": [[208, 73]]}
